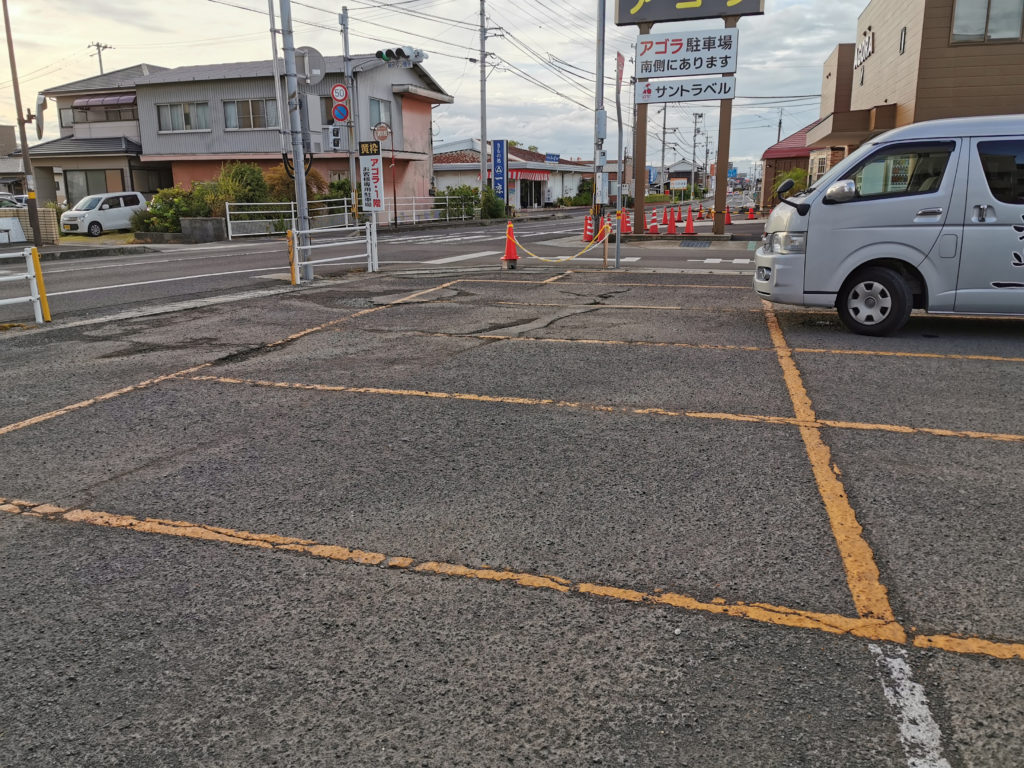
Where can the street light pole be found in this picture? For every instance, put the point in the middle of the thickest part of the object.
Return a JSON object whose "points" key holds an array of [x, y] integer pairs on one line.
{"points": [[26, 161]]}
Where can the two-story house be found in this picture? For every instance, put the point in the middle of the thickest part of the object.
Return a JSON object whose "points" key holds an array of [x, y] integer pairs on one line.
{"points": [[198, 118], [145, 128]]}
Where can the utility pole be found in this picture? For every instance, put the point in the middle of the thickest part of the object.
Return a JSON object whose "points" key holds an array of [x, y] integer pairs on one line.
{"points": [[664, 125], [100, 48], [693, 165], [600, 121], [26, 161], [724, 128], [295, 125], [706, 150], [780, 128], [350, 83], [483, 100]]}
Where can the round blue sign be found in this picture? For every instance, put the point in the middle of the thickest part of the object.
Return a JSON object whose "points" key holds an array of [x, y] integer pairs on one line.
{"points": [[340, 112]]}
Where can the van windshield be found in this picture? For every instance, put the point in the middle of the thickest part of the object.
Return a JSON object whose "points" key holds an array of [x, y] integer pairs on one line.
{"points": [[87, 203], [843, 166]]}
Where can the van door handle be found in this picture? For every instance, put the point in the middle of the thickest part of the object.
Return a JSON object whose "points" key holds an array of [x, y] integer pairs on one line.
{"points": [[930, 212], [981, 213]]}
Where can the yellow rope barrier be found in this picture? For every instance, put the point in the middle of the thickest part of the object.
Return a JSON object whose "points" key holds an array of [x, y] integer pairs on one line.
{"points": [[602, 233]]}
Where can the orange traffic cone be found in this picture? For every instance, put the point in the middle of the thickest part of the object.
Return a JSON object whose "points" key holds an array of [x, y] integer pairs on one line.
{"points": [[728, 216], [750, 213], [627, 227], [700, 213], [511, 256], [679, 214], [588, 229], [653, 228], [602, 233], [689, 222], [672, 225]]}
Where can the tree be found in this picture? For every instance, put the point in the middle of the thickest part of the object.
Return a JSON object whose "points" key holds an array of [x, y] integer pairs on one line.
{"points": [[243, 183], [281, 186], [799, 177]]}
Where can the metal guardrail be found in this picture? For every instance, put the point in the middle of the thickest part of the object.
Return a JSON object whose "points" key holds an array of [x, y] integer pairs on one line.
{"points": [[37, 289], [301, 266], [262, 219]]}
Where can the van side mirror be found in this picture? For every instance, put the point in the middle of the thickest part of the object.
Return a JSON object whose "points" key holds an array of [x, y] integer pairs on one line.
{"points": [[784, 187], [104, 207], [841, 192]]}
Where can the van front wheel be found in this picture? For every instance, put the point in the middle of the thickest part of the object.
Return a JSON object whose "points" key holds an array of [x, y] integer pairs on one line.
{"points": [[95, 229], [876, 301]]}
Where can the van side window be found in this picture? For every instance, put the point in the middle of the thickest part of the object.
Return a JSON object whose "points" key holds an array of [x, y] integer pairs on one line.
{"points": [[1003, 162], [130, 200], [902, 170], [112, 202]]}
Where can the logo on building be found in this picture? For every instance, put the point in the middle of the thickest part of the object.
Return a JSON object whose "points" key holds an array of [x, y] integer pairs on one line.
{"points": [[865, 49]]}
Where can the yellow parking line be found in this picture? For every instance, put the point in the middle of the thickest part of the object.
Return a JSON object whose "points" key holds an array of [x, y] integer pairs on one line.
{"points": [[659, 307], [834, 624], [636, 410], [604, 283], [556, 278], [869, 594], [959, 644], [99, 399], [178, 374], [726, 347]]}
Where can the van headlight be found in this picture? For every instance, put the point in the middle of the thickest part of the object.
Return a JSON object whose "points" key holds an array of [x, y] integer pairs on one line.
{"points": [[787, 242]]}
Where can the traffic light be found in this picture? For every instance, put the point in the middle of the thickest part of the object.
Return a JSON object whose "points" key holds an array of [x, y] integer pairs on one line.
{"points": [[337, 138], [401, 55]]}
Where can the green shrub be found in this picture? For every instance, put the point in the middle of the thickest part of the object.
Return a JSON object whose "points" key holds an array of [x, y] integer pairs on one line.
{"points": [[493, 207], [657, 199], [340, 188], [458, 202], [242, 183], [584, 193], [168, 206]]}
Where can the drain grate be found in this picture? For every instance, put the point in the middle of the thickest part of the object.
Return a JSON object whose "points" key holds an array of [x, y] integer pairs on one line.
{"points": [[695, 244]]}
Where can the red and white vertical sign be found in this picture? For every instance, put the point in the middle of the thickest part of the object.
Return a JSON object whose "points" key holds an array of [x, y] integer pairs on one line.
{"points": [[371, 171]]}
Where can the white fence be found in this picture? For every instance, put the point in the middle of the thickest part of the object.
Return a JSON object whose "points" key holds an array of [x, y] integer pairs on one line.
{"points": [[36, 288], [300, 246], [262, 219]]}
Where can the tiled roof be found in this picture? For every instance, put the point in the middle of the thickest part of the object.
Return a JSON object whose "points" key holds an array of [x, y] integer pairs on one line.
{"points": [[516, 154], [241, 69], [67, 146], [119, 79], [791, 146]]}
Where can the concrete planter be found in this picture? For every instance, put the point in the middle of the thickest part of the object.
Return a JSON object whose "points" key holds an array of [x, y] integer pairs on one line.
{"points": [[160, 238], [207, 229]]}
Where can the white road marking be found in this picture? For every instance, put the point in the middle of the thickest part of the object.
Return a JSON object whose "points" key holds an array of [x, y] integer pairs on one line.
{"points": [[164, 280], [463, 257], [610, 258], [741, 261], [712, 261], [920, 734]]}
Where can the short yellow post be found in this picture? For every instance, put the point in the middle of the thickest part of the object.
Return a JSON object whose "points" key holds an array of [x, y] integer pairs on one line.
{"points": [[44, 305], [291, 257]]}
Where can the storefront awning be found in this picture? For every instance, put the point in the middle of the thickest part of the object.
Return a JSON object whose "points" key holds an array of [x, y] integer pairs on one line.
{"points": [[103, 101], [515, 173]]}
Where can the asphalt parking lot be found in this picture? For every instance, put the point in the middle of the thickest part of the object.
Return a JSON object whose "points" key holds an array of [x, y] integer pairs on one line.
{"points": [[487, 518]]}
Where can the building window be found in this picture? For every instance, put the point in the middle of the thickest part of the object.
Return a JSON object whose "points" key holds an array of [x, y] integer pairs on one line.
{"points": [[67, 117], [189, 116], [380, 112], [903, 41], [245, 114], [903, 170], [84, 183], [1003, 162], [97, 115], [979, 21]]}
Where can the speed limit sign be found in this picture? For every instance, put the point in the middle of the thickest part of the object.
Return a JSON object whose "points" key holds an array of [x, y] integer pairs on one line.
{"points": [[339, 92]]}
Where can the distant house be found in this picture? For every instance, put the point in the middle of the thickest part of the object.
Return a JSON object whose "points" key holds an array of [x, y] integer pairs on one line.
{"points": [[790, 153], [145, 128], [535, 179], [12, 172]]}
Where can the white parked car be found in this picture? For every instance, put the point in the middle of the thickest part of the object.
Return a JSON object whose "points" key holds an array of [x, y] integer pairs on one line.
{"points": [[929, 216], [97, 214]]}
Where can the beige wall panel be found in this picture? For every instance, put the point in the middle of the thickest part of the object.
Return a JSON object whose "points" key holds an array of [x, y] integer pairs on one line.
{"points": [[889, 76]]}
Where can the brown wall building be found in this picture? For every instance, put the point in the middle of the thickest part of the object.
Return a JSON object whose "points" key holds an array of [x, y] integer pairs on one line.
{"points": [[916, 60]]}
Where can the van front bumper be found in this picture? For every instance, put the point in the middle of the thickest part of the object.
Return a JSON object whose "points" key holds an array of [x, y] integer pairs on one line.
{"points": [[779, 277]]}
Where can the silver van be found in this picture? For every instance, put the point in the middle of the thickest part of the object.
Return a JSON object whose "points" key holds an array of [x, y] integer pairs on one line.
{"points": [[929, 216]]}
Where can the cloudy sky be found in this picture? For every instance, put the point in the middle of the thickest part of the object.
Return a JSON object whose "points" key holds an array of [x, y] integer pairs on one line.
{"points": [[540, 86]]}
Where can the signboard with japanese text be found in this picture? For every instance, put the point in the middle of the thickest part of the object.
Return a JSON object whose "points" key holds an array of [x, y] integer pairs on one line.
{"points": [[654, 11], [689, 89], [499, 168], [371, 173], [678, 183], [549, 158], [684, 54]]}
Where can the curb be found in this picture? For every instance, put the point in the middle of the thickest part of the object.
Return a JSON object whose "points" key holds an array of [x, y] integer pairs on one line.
{"points": [[82, 253]]}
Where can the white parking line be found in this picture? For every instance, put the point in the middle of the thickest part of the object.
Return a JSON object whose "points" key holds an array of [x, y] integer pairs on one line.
{"points": [[164, 280], [463, 257], [919, 733]]}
